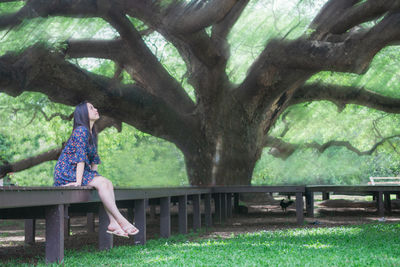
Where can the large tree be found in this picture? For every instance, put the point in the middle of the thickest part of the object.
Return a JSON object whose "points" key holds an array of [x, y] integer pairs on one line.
{"points": [[223, 130]]}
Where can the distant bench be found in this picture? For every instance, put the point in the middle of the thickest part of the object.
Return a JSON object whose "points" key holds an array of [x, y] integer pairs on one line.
{"points": [[380, 193], [384, 180]]}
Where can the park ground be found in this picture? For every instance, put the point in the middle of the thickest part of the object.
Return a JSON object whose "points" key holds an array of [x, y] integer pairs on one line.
{"points": [[340, 211]]}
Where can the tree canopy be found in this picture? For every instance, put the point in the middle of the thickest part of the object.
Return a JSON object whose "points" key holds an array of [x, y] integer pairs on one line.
{"points": [[221, 80]]}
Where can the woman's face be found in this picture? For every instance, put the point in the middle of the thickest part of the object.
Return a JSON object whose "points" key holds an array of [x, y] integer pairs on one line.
{"points": [[93, 113]]}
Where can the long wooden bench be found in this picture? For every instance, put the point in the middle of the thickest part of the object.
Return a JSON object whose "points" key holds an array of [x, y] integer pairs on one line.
{"points": [[56, 204]]}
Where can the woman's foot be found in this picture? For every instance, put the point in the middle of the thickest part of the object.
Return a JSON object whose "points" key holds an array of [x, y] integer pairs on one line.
{"points": [[116, 230], [130, 229]]}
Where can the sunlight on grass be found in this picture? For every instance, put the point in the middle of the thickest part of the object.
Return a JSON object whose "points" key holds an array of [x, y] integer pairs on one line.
{"points": [[160, 259], [317, 245], [362, 245]]}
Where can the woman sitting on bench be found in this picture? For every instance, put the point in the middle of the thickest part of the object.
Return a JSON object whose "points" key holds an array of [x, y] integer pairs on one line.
{"points": [[77, 166]]}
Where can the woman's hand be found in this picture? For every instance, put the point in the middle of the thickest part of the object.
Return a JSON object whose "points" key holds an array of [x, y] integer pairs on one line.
{"points": [[73, 184]]}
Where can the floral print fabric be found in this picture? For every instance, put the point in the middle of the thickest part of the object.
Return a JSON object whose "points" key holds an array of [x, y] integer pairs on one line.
{"points": [[76, 150]]}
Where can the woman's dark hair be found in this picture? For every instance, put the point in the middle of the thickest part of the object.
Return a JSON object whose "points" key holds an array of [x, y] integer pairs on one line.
{"points": [[81, 118]]}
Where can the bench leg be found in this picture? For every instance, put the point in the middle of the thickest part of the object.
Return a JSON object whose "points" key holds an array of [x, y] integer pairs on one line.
{"points": [[182, 214], [30, 231], [130, 215], [207, 210], [381, 210], [388, 204], [196, 212], [229, 205], [325, 195], [152, 212], [236, 203], [140, 221], [67, 222], [299, 208], [217, 209], [309, 203], [223, 207], [105, 239], [90, 222], [165, 217], [54, 234]]}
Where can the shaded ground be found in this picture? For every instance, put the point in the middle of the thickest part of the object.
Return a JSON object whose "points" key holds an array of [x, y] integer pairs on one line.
{"points": [[269, 216]]}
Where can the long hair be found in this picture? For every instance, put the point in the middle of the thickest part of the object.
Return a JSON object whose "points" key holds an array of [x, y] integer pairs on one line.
{"points": [[81, 118]]}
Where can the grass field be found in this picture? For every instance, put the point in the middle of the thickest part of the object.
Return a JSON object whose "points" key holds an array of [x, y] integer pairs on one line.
{"points": [[361, 245]]}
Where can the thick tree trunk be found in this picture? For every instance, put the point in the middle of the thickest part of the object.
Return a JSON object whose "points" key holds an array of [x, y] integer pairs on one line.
{"points": [[231, 147], [230, 161]]}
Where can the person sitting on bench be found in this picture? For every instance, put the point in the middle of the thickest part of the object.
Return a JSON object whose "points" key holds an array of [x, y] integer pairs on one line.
{"points": [[77, 166]]}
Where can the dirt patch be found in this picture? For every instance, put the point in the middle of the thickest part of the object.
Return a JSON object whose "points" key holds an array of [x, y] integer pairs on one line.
{"points": [[267, 217]]}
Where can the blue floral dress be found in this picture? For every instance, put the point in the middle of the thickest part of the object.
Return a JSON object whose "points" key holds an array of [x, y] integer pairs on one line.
{"points": [[76, 150]]}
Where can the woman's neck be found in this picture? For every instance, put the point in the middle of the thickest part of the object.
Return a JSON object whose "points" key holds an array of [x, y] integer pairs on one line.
{"points": [[91, 125]]}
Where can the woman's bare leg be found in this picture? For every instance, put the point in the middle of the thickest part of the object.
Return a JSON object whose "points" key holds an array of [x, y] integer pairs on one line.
{"points": [[106, 194]]}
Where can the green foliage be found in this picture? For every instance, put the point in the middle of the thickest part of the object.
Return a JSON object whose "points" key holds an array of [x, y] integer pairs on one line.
{"points": [[10, 7], [363, 245], [132, 158], [5, 146]]}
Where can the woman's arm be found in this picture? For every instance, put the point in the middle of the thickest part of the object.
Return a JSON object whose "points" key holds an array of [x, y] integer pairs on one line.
{"points": [[93, 167], [79, 172]]}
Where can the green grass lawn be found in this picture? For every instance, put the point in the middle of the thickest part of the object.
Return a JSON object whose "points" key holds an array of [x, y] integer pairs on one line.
{"points": [[361, 245]]}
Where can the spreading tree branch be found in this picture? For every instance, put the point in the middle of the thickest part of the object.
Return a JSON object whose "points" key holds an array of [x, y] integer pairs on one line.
{"points": [[221, 29], [353, 55], [44, 8], [342, 95], [204, 56], [196, 15], [337, 17], [155, 77], [284, 64], [57, 114], [37, 69], [282, 149], [107, 49]]}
